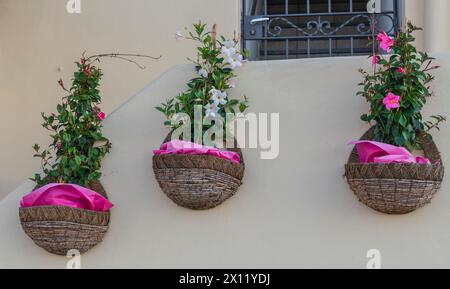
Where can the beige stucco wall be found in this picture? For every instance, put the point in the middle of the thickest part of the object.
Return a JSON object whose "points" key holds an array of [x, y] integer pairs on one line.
{"points": [[295, 211], [432, 16], [436, 25], [415, 12], [38, 36]]}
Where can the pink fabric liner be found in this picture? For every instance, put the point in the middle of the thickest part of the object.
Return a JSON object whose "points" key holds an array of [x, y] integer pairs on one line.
{"points": [[190, 148], [376, 152], [66, 195]]}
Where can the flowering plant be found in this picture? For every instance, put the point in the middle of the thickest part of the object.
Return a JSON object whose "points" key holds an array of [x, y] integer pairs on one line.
{"points": [[78, 145], [216, 61], [398, 90]]}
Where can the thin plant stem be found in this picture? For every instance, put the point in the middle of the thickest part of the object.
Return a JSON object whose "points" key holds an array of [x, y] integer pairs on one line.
{"points": [[121, 56]]}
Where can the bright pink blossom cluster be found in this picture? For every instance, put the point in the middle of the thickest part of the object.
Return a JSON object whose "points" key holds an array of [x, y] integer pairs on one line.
{"points": [[101, 115], [392, 101], [386, 41]]}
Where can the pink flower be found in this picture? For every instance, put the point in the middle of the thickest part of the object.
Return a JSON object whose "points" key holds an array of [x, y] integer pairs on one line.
{"points": [[386, 42], [401, 70], [375, 60], [58, 146], [101, 115], [87, 70], [391, 101], [381, 36]]}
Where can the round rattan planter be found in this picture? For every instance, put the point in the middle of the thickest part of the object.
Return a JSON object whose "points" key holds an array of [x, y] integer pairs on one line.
{"points": [[396, 188], [61, 229], [198, 182]]}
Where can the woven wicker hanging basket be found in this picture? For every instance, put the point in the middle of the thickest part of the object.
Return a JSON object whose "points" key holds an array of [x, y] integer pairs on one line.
{"points": [[198, 182], [396, 188], [61, 229]]}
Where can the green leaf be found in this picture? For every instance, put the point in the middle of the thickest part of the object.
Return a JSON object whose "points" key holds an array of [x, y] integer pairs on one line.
{"points": [[243, 107], [403, 121], [406, 135], [160, 109], [233, 102], [36, 148], [399, 141], [77, 160]]}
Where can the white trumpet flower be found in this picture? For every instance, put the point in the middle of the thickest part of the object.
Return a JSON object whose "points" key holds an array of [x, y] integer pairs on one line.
{"points": [[219, 97], [235, 60], [203, 73], [228, 51], [229, 44], [211, 110]]}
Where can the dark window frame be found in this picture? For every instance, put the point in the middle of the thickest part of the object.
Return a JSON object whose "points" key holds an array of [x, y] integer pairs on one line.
{"points": [[317, 34]]}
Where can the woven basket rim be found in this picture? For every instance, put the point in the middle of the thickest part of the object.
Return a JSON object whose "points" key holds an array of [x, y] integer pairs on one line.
{"points": [[66, 207], [431, 172], [429, 147], [63, 214], [185, 161], [66, 213], [67, 222], [399, 179], [394, 165], [241, 163], [191, 161]]}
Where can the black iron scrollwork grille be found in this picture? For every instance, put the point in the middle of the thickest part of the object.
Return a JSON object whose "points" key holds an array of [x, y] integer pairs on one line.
{"points": [[286, 29]]}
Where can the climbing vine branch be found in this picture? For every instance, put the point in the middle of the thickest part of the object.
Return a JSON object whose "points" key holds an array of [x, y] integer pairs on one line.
{"points": [[121, 56]]}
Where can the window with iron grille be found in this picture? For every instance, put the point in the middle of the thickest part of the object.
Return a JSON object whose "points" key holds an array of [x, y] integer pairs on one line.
{"points": [[289, 29]]}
